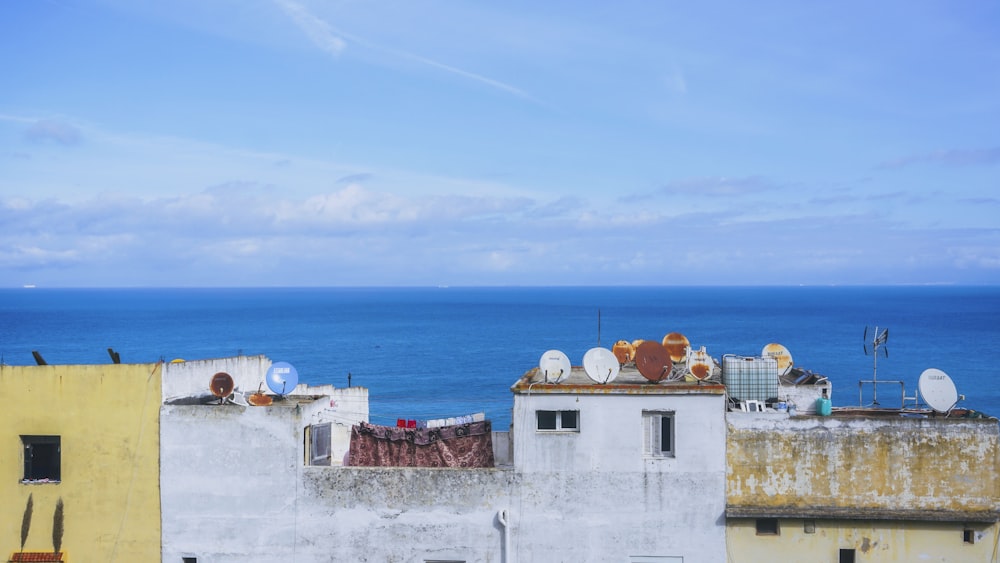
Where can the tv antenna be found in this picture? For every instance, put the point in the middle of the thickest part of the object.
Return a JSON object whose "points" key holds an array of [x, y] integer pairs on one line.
{"points": [[878, 342]]}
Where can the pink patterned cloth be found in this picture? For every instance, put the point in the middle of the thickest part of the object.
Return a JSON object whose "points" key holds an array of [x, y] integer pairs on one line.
{"points": [[460, 445]]}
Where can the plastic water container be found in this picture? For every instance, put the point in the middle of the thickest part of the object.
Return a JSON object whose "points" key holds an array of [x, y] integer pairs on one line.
{"points": [[823, 406]]}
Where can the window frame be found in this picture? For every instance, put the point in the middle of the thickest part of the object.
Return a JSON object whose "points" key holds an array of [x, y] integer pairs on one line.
{"points": [[561, 418], [51, 448], [320, 441], [652, 433]]}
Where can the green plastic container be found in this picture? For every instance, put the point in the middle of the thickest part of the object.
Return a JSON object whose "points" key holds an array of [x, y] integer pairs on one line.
{"points": [[823, 406]]}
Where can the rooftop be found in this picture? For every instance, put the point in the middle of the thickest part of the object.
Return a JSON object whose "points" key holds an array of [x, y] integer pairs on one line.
{"points": [[628, 382]]}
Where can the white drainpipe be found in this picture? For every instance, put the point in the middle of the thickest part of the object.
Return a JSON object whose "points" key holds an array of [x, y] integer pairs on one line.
{"points": [[502, 518]]}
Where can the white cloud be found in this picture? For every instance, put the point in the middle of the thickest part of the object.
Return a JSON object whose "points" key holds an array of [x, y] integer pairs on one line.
{"points": [[318, 31]]}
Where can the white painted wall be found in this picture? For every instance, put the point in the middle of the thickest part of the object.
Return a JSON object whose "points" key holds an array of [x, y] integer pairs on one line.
{"points": [[192, 378], [234, 486], [595, 496], [228, 482]]}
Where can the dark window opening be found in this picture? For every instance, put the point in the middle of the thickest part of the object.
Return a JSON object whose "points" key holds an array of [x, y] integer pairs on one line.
{"points": [[666, 434], [846, 556], [189, 560], [809, 526], [41, 458], [969, 535], [569, 420], [546, 420], [767, 526]]}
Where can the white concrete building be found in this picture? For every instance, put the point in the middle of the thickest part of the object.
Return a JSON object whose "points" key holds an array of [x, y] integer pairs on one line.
{"points": [[628, 471]]}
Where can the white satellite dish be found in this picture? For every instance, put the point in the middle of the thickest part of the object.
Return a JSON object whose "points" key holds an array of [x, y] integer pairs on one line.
{"points": [[281, 378], [554, 366], [937, 389], [601, 365]]}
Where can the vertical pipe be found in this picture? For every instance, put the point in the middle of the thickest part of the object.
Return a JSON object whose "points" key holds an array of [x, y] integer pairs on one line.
{"points": [[502, 518]]}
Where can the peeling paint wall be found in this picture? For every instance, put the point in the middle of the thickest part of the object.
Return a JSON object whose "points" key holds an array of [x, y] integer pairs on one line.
{"points": [[881, 465], [107, 419]]}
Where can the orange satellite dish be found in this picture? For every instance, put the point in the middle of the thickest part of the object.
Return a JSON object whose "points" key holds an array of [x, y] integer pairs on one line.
{"points": [[677, 346], [624, 351], [699, 364]]}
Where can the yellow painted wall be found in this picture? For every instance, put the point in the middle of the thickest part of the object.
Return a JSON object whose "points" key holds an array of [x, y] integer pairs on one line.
{"points": [[108, 420], [873, 542]]}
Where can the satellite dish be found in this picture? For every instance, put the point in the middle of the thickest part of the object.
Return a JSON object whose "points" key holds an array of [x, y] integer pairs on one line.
{"points": [[281, 378], [554, 366], [781, 354], [221, 385], [937, 389], [699, 364], [624, 351], [677, 346], [601, 365], [653, 361]]}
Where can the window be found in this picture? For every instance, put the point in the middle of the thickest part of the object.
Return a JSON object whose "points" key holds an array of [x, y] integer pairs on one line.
{"points": [[846, 556], [189, 559], [319, 444], [41, 459], [969, 535], [658, 433], [767, 526], [566, 421], [809, 526]]}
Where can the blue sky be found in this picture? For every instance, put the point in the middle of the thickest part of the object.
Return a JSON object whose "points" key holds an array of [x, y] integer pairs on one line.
{"points": [[295, 142]]}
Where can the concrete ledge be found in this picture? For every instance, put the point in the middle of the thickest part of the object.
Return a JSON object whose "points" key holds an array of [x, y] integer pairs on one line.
{"points": [[838, 513]]}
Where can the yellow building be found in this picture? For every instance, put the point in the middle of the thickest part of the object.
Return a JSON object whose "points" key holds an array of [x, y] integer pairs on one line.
{"points": [[862, 488], [79, 468]]}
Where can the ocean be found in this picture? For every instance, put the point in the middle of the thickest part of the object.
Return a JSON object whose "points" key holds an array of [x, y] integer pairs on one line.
{"points": [[433, 352]]}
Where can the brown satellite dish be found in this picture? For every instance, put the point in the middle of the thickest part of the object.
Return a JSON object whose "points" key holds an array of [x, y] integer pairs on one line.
{"points": [[624, 351], [653, 361], [222, 385], [677, 346]]}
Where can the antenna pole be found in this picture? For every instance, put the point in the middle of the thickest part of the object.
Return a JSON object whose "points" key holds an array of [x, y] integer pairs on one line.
{"points": [[875, 371]]}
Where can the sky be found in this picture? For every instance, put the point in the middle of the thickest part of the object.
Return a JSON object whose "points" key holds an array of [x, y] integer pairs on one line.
{"points": [[204, 143]]}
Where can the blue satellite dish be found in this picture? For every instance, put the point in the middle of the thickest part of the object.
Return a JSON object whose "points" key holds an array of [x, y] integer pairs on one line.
{"points": [[281, 378]]}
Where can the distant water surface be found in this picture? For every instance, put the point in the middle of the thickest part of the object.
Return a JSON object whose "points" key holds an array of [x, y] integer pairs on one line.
{"points": [[438, 352]]}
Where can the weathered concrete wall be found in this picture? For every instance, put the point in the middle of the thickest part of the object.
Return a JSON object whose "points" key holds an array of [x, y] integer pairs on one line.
{"points": [[229, 479], [872, 541], [413, 514], [899, 468], [401, 514], [107, 419]]}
